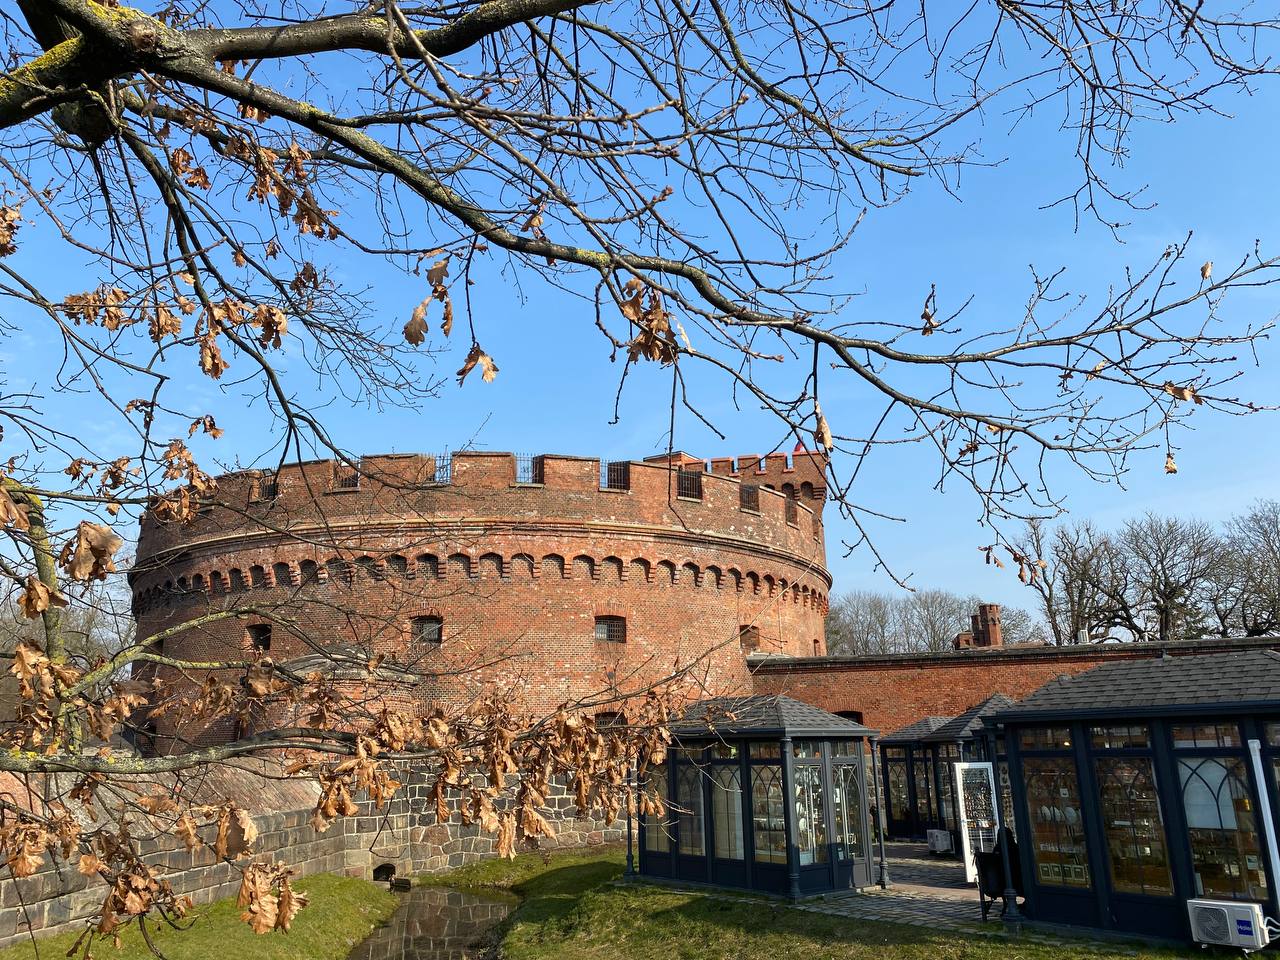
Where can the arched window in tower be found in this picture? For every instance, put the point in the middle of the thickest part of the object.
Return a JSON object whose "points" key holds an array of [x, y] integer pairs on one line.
{"points": [[309, 571], [459, 567], [236, 579], [428, 567], [491, 567], [282, 574], [611, 570], [257, 576], [749, 637], [398, 565], [367, 569], [553, 567], [690, 576]]}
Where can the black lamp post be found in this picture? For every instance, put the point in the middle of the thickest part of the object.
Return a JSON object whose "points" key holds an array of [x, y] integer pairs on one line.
{"points": [[1010, 914], [883, 865]]}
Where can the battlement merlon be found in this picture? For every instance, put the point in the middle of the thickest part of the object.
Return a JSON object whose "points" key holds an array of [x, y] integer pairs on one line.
{"points": [[802, 473], [422, 490]]}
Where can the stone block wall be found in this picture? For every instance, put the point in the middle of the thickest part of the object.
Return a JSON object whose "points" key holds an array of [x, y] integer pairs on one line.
{"points": [[405, 835]]}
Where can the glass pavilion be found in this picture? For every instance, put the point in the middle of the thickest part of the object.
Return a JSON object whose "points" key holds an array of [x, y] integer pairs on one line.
{"points": [[918, 769], [1141, 784], [763, 793]]}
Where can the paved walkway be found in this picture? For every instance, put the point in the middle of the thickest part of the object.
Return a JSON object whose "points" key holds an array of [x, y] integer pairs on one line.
{"points": [[913, 869], [930, 891]]}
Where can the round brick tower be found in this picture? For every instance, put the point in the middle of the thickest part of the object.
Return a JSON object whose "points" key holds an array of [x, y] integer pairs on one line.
{"points": [[555, 576]]}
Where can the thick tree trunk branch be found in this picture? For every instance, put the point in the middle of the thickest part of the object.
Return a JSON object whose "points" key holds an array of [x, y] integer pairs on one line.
{"points": [[374, 34], [109, 38], [57, 76]]}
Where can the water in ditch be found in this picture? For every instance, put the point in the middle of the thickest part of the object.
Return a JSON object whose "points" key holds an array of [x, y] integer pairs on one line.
{"points": [[437, 923]]}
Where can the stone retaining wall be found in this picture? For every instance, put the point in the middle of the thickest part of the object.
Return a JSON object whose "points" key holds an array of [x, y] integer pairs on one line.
{"points": [[406, 835]]}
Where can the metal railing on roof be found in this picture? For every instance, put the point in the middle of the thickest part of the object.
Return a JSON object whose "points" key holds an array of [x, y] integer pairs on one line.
{"points": [[529, 468], [689, 484], [615, 475]]}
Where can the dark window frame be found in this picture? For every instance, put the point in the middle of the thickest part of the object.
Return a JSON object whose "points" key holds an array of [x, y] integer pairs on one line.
{"points": [[259, 636], [345, 478], [689, 484], [421, 636], [615, 629], [615, 475], [266, 487]]}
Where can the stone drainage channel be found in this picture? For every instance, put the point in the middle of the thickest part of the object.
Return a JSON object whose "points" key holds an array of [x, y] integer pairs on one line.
{"points": [[437, 923]]}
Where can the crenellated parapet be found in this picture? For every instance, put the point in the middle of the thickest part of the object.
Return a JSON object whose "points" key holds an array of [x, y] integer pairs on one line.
{"points": [[772, 503]]}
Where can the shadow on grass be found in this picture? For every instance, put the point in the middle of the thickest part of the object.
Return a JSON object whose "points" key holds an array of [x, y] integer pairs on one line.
{"points": [[772, 931]]}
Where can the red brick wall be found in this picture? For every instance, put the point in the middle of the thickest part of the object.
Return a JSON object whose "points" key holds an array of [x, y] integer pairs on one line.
{"points": [[518, 573], [892, 692]]}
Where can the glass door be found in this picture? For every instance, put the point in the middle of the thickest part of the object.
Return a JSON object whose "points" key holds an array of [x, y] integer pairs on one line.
{"points": [[976, 809]]}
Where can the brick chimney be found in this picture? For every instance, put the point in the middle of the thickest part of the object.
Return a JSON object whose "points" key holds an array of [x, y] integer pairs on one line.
{"points": [[984, 629], [986, 626]]}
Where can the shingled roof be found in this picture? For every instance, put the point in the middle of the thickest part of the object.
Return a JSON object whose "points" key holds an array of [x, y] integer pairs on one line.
{"points": [[763, 715], [970, 723], [915, 731], [1218, 683]]}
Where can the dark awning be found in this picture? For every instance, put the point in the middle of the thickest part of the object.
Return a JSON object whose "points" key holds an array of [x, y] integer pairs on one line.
{"points": [[914, 732], [763, 716], [1218, 683]]}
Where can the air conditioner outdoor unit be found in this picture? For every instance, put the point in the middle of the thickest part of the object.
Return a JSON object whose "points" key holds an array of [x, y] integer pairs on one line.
{"points": [[1228, 923], [939, 841]]}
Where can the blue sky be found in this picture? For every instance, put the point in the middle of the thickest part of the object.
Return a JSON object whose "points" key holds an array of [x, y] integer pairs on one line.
{"points": [[1207, 174]]}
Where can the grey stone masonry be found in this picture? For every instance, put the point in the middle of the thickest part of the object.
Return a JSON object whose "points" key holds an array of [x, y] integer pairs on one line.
{"points": [[405, 836]]}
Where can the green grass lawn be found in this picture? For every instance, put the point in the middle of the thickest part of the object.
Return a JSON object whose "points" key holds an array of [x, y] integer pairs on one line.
{"points": [[343, 911], [570, 910]]}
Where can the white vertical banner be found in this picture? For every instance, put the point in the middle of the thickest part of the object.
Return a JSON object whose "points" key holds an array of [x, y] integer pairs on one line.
{"points": [[976, 811]]}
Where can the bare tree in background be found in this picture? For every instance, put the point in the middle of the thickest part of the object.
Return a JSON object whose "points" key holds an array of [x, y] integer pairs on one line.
{"points": [[1244, 585], [1168, 561], [1159, 578], [207, 167], [865, 622]]}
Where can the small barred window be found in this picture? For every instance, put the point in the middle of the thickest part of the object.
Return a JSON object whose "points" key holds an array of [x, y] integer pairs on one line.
{"points": [[428, 630], [611, 629]]}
